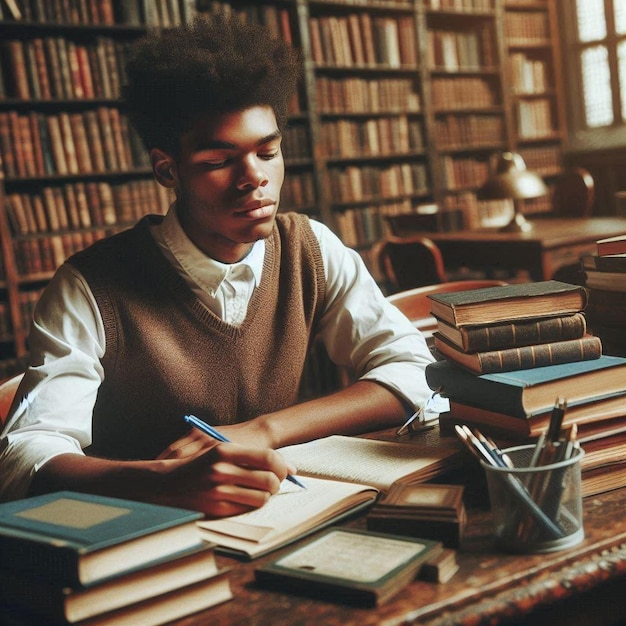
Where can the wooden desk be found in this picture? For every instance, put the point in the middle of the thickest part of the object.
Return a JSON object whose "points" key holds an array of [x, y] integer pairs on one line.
{"points": [[553, 243], [580, 586]]}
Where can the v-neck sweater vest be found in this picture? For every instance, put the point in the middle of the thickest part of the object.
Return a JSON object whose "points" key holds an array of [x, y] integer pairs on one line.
{"points": [[167, 355]]}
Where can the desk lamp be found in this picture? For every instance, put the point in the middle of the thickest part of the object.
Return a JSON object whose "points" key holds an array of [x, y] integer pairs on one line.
{"points": [[511, 180]]}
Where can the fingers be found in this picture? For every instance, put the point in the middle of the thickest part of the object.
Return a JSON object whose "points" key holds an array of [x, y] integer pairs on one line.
{"points": [[221, 479], [189, 445]]}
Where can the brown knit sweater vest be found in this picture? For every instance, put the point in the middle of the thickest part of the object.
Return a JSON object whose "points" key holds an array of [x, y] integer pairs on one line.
{"points": [[167, 355]]}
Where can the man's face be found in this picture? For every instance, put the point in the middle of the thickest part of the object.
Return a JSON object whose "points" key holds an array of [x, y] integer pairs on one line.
{"points": [[229, 176]]}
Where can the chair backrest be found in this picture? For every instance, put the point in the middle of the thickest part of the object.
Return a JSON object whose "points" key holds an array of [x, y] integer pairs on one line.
{"points": [[414, 303], [573, 194], [8, 387], [408, 262]]}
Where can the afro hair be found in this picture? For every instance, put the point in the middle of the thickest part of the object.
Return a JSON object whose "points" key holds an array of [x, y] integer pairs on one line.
{"points": [[214, 64]]}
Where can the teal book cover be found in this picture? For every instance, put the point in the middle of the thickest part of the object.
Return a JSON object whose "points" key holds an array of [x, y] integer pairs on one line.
{"points": [[81, 538], [524, 392]]}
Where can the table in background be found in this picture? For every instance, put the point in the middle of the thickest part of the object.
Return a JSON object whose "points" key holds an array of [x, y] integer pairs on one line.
{"points": [[579, 586], [551, 244]]}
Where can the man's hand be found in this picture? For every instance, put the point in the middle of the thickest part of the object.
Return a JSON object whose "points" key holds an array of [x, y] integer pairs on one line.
{"points": [[219, 479]]}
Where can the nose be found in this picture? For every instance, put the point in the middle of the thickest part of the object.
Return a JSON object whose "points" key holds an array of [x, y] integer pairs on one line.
{"points": [[252, 174]]}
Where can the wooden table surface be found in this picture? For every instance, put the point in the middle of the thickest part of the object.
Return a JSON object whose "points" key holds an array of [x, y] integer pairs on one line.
{"points": [[552, 243], [491, 587]]}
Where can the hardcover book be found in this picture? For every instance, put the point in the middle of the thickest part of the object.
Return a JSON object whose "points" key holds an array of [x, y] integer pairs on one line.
{"points": [[341, 475], [59, 603], [601, 410], [525, 357], [518, 301], [514, 334], [525, 392], [353, 566], [611, 245], [82, 539]]}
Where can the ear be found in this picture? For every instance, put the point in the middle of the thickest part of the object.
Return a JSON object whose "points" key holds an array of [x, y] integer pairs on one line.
{"points": [[164, 168]]}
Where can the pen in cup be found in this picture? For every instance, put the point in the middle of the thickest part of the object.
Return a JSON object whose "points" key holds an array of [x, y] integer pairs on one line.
{"points": [[212, 432]]}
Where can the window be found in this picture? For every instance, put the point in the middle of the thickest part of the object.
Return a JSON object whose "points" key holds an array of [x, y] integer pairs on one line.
{"points": [[594, 39]]}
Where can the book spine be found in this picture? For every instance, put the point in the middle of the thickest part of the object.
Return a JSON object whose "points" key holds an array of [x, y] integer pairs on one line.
{"points": [[500, 336], [583, 349], [46, 561]]}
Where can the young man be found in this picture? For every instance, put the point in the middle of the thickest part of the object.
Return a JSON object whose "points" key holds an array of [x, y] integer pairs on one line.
{"points": [[209, 310]]}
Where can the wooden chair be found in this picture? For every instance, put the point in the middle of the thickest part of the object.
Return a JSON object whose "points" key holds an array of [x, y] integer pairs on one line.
{"points": [[414, 303], [573, 194], [408, 262], [8, 388]]}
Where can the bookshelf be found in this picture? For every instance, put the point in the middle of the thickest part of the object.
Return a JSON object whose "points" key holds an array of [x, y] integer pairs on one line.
{"points": [[535, 88], [73, 170], [402, 104]]}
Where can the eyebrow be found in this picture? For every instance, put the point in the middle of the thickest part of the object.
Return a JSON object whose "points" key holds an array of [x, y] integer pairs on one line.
{"points": [[216, 144]]}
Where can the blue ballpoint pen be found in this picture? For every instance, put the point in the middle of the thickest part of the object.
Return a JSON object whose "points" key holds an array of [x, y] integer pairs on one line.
{"points": [[209, 430]]}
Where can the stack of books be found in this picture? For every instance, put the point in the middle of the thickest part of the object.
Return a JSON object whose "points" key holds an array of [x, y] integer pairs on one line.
{"points": [[509, 389], [72, 558], [605, 278], [511, 327]]}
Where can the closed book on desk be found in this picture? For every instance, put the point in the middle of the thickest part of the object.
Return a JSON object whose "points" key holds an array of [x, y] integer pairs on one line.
{"points": [[606, 412], [611, 245], [155, 611], [514, 334], [508, 303], [82, 539], [341, 475], [58, 603], [525, 357], [524, 392], [353, 566]]}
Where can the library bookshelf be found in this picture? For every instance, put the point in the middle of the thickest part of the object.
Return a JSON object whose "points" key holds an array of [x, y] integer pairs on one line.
{"points": [[402, 104]]}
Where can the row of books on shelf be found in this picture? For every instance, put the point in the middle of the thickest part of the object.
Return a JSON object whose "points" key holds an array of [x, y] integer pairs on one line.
{"points": [[84, 205], [545, 160], [160, 13], [371, 137], [462, 50], [605, 278], [352, 183], [276, 19], [528, 75], [360, 95], [127, 563], [460, 5], [58, 68], [506, 353], [363, 39], [527, 27], [453, 130], [464, 92], [535, 118], [98, 140], [462, 172], [27, 301]]}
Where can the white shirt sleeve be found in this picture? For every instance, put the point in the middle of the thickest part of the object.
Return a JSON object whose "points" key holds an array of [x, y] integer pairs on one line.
{"points": [[58, 393], [361, 330]]}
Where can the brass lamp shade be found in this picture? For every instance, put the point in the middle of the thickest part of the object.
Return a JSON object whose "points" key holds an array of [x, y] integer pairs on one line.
{"points": [[510, 179]]}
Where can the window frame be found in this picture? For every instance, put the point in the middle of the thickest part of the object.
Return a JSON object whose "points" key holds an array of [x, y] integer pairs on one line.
{"points": [[580, 136]]}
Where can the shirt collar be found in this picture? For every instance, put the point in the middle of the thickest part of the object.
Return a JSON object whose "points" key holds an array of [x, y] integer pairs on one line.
{"points": [[205, 271]]}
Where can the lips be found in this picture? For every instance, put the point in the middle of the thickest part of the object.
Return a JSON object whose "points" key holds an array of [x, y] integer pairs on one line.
{"points": [[257, 210]]}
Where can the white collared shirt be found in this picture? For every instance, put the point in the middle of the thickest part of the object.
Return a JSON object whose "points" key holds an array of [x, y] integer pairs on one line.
{"points": [[359, 328]]}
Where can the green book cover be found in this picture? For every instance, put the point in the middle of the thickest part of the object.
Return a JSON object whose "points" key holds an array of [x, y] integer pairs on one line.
{"points": [[358, 567], [522, 393], [81, 539]]}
